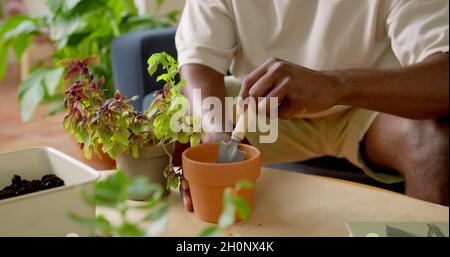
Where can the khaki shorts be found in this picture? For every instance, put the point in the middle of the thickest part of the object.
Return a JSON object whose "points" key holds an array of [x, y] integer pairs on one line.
{"points": [[338, 134]]}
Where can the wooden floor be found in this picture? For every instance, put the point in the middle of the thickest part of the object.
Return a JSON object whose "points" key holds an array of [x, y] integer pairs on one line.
{"points": [[42, 130]]}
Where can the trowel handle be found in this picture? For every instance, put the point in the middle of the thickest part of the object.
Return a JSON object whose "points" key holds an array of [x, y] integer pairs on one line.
{"points": [[241, 126]]}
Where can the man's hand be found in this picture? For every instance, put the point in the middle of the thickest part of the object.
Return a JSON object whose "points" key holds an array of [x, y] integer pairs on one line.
{"points": [[299, 90]]}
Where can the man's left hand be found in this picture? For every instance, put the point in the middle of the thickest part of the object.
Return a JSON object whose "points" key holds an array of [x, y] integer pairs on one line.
{"points": [[299, 90]]}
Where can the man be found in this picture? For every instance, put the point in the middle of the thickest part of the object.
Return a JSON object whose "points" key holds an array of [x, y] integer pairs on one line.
{"points": [[362, 80]]}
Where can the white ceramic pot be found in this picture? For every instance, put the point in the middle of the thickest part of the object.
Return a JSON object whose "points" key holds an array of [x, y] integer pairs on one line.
{"points": [[44, 213], [151, 163]]}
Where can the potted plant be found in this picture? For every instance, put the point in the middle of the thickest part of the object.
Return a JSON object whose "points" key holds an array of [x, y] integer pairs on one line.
{"points": [[140, 142], [208, 180]]}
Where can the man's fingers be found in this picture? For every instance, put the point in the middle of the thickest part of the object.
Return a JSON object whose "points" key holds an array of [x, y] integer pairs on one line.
{"points": [[254, 76], [186, 195], [279, 91], [261, 87], [187, 201], [184, 185]]}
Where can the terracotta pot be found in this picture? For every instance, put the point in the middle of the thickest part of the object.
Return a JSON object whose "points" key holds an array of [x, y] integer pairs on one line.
{"points": [[151, 163], [105, 163], [208, 179]]}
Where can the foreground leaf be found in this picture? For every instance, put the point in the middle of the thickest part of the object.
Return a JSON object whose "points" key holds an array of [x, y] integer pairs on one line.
{"points": [[228, 213], [210, 231], [242, 207], [243, 184], [160, 211], [99, 222], [131, 230], [112, 191], [140, 187]]}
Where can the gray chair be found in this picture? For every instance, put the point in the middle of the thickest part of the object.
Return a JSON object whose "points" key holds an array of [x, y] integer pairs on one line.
{"points": [[129, 54]]}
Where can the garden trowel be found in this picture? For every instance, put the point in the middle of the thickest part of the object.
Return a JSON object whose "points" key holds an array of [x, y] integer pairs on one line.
{"points": [[228, 151]]}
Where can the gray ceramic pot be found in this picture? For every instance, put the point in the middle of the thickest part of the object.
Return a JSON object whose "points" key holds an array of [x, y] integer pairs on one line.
{"points": [[151, 163]]}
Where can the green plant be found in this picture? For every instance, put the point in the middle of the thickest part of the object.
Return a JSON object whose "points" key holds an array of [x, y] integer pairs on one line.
{"points": [[96, 120], [113, 123], [75, 29], [113, 192], [169, 102], [168, 111]]}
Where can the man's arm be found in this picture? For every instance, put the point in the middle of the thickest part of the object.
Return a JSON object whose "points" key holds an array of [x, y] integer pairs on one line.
{"points": [[210, 82], [198, 76], [418, 91]]}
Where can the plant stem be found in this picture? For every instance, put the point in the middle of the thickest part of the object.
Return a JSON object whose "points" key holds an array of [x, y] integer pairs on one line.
{"points": [[169, 166], [170, 155]]}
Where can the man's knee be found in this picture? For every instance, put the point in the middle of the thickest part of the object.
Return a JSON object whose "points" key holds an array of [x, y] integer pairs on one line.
{"points": [[425, 143], [416, 149], [425, 160]]}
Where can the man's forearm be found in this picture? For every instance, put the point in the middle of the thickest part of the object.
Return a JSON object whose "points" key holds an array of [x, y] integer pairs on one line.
{"points": [[419, 91], [209, 81], [198, 76]]}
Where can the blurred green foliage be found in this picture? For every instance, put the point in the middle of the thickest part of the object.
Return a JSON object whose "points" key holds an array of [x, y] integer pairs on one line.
{"points": [[114, 191], [76, 29]]}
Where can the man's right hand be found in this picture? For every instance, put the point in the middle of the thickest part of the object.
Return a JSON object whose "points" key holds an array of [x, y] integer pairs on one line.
{"points": [[184, 186]]}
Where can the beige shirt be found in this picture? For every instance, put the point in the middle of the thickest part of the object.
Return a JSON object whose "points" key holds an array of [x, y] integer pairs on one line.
{"points": [[239, 35]]}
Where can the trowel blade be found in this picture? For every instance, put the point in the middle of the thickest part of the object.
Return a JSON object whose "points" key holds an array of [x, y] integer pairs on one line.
{"points": [[229, 152]]}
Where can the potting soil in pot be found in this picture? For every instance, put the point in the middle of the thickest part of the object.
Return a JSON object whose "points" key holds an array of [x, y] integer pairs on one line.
{"points": [[21, 186]]}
